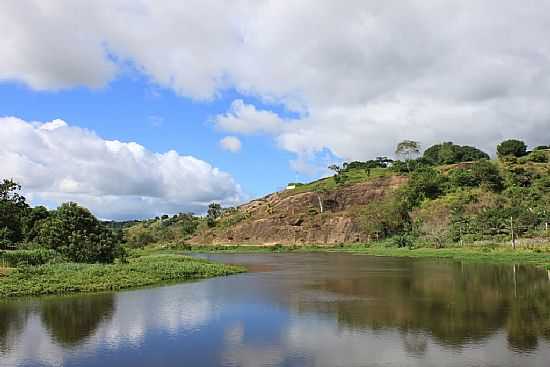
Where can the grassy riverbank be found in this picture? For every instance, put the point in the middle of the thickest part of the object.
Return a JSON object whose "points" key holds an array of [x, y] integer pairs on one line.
{"points": [[497, 253], [62, 278]]}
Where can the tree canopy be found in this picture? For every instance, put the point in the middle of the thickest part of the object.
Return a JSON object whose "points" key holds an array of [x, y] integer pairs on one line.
{"points": [[449, 153], [512, 147]]}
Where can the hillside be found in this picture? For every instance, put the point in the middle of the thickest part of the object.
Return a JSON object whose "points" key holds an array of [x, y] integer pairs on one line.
{"points": [[436, 204], [435, 200], [294, 216]]}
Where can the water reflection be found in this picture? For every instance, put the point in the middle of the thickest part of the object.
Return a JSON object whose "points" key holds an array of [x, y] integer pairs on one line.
{"points": [[297, 310], [13, 318], [71, 320]]}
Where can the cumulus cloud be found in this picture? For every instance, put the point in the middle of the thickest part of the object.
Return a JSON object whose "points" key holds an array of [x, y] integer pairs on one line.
{"points": [[56, 162], [362, 75], [246, 119], [231, 143]]}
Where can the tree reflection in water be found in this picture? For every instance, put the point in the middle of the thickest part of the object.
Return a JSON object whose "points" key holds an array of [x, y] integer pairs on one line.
{"points": [[456, 304], [13, 318], [70, 320]]}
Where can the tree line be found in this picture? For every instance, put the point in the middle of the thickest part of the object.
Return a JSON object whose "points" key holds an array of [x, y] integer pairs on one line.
{"points": [[70, 230]]}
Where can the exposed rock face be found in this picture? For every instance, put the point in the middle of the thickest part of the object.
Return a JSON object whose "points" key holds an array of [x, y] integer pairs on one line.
{"points": [[294, 218]]}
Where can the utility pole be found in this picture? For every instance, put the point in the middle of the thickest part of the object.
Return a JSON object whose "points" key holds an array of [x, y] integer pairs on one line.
{"points": [[512, 231]]}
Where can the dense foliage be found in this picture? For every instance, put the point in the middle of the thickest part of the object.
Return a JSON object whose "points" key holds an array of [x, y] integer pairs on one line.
{"points": [[13, 211], [71, 231], [448, 153], [75, 233], [512, 147]]}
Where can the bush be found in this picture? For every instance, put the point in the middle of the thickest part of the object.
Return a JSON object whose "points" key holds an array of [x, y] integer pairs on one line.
{"points": [[512, 147], [488, 175], [76, 234], [538, 156], [448, 153], [29, 257], [424, 183], [384, 217]]}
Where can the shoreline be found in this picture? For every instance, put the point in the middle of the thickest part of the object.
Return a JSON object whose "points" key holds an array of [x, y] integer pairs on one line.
{"points": [[141, 271], [496, 254]]}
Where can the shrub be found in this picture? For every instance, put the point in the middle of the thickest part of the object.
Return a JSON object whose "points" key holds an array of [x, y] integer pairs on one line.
{"points": [[76, 234], [424, 183], [538, 156], [487, 174], [513, 147], [384, 217], [448, 153], [29, 257]]}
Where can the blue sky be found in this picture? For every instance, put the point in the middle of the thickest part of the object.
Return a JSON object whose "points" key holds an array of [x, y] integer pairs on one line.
{"points": [[133, 109], [231, 100]]}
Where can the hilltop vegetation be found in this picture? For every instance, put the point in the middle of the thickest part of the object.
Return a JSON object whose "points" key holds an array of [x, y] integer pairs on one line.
{"points": [[449, 195]]}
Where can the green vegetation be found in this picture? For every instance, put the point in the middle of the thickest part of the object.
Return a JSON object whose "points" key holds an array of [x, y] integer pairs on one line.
{"points": [[512, 147], [71, 231], [61, 278], [449, 153], [69, 250], [489, 253]]}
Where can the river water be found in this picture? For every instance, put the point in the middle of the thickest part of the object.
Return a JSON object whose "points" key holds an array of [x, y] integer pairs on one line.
{"points": [[297, 310]]}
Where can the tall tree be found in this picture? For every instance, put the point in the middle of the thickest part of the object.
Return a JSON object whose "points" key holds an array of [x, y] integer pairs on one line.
{"points": [[215, 211], [407, 149], [13, 210], [513, 147]]}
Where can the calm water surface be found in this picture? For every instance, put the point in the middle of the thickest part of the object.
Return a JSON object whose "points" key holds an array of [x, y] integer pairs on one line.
{"points": [[297, 310]]}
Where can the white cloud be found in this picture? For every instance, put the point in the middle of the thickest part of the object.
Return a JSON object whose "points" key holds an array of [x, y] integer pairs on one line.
{"points": [[362, 75], [56, 162], [246, 119], [231, 143]]}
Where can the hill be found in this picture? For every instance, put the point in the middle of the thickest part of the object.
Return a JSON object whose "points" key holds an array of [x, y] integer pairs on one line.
{"points": [[414, 202]]}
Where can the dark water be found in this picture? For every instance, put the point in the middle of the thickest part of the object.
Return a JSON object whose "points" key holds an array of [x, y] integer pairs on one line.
{"points": [[297, 310]]}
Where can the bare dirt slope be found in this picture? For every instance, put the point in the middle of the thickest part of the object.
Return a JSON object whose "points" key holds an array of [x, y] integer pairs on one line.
{"points": [[294, 218]]}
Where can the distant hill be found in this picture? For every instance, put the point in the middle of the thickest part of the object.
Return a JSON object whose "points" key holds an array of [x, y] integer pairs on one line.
{"points": [[417, 202]]}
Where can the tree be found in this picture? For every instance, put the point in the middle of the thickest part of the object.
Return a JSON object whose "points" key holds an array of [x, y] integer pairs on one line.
{"points": [[215, 211], [339, 175], [408, 149], [13, 209], [33, 221], [74, 232], [449, 153], [424, 183], [512, 147]]}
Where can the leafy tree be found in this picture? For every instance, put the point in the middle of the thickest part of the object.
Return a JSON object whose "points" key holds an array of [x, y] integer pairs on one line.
{"points": [[384, 217], [512, 147], [449, 153], [13, 209], [215, 211], [424, 183], [33, 221], [408, 149], [487, 174], [339, 172], [74, 232], [538, 156]]}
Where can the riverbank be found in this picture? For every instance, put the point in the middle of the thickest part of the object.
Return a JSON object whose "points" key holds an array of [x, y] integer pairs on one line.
{"points": [[146, 270], [495, 254]]}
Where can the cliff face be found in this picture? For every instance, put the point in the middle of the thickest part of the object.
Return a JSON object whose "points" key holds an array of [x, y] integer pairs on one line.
{"points": [[295, 218]]}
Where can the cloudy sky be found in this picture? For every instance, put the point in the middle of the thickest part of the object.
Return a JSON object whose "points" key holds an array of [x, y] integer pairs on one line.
{"points": [[138, 108]]}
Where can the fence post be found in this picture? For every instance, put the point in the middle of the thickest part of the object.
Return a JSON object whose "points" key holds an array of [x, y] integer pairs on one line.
{"points": [[512, 231]]}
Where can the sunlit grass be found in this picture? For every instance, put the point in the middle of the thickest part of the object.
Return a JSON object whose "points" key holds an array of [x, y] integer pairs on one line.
{"points": [[61, 278]]}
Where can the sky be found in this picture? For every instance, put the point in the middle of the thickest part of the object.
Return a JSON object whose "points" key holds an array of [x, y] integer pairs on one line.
{"points": [[141, 108]]}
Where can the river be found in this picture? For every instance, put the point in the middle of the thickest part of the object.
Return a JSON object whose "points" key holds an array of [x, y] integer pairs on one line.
{"points": [[320, 309]]}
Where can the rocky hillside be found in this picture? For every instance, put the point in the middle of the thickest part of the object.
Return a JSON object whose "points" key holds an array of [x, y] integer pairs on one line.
{"points": [[320, 215]]}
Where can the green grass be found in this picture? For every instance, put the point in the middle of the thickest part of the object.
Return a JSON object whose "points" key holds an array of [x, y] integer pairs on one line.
{"points": [[486, 254], [352, 176], [62, 278]]}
